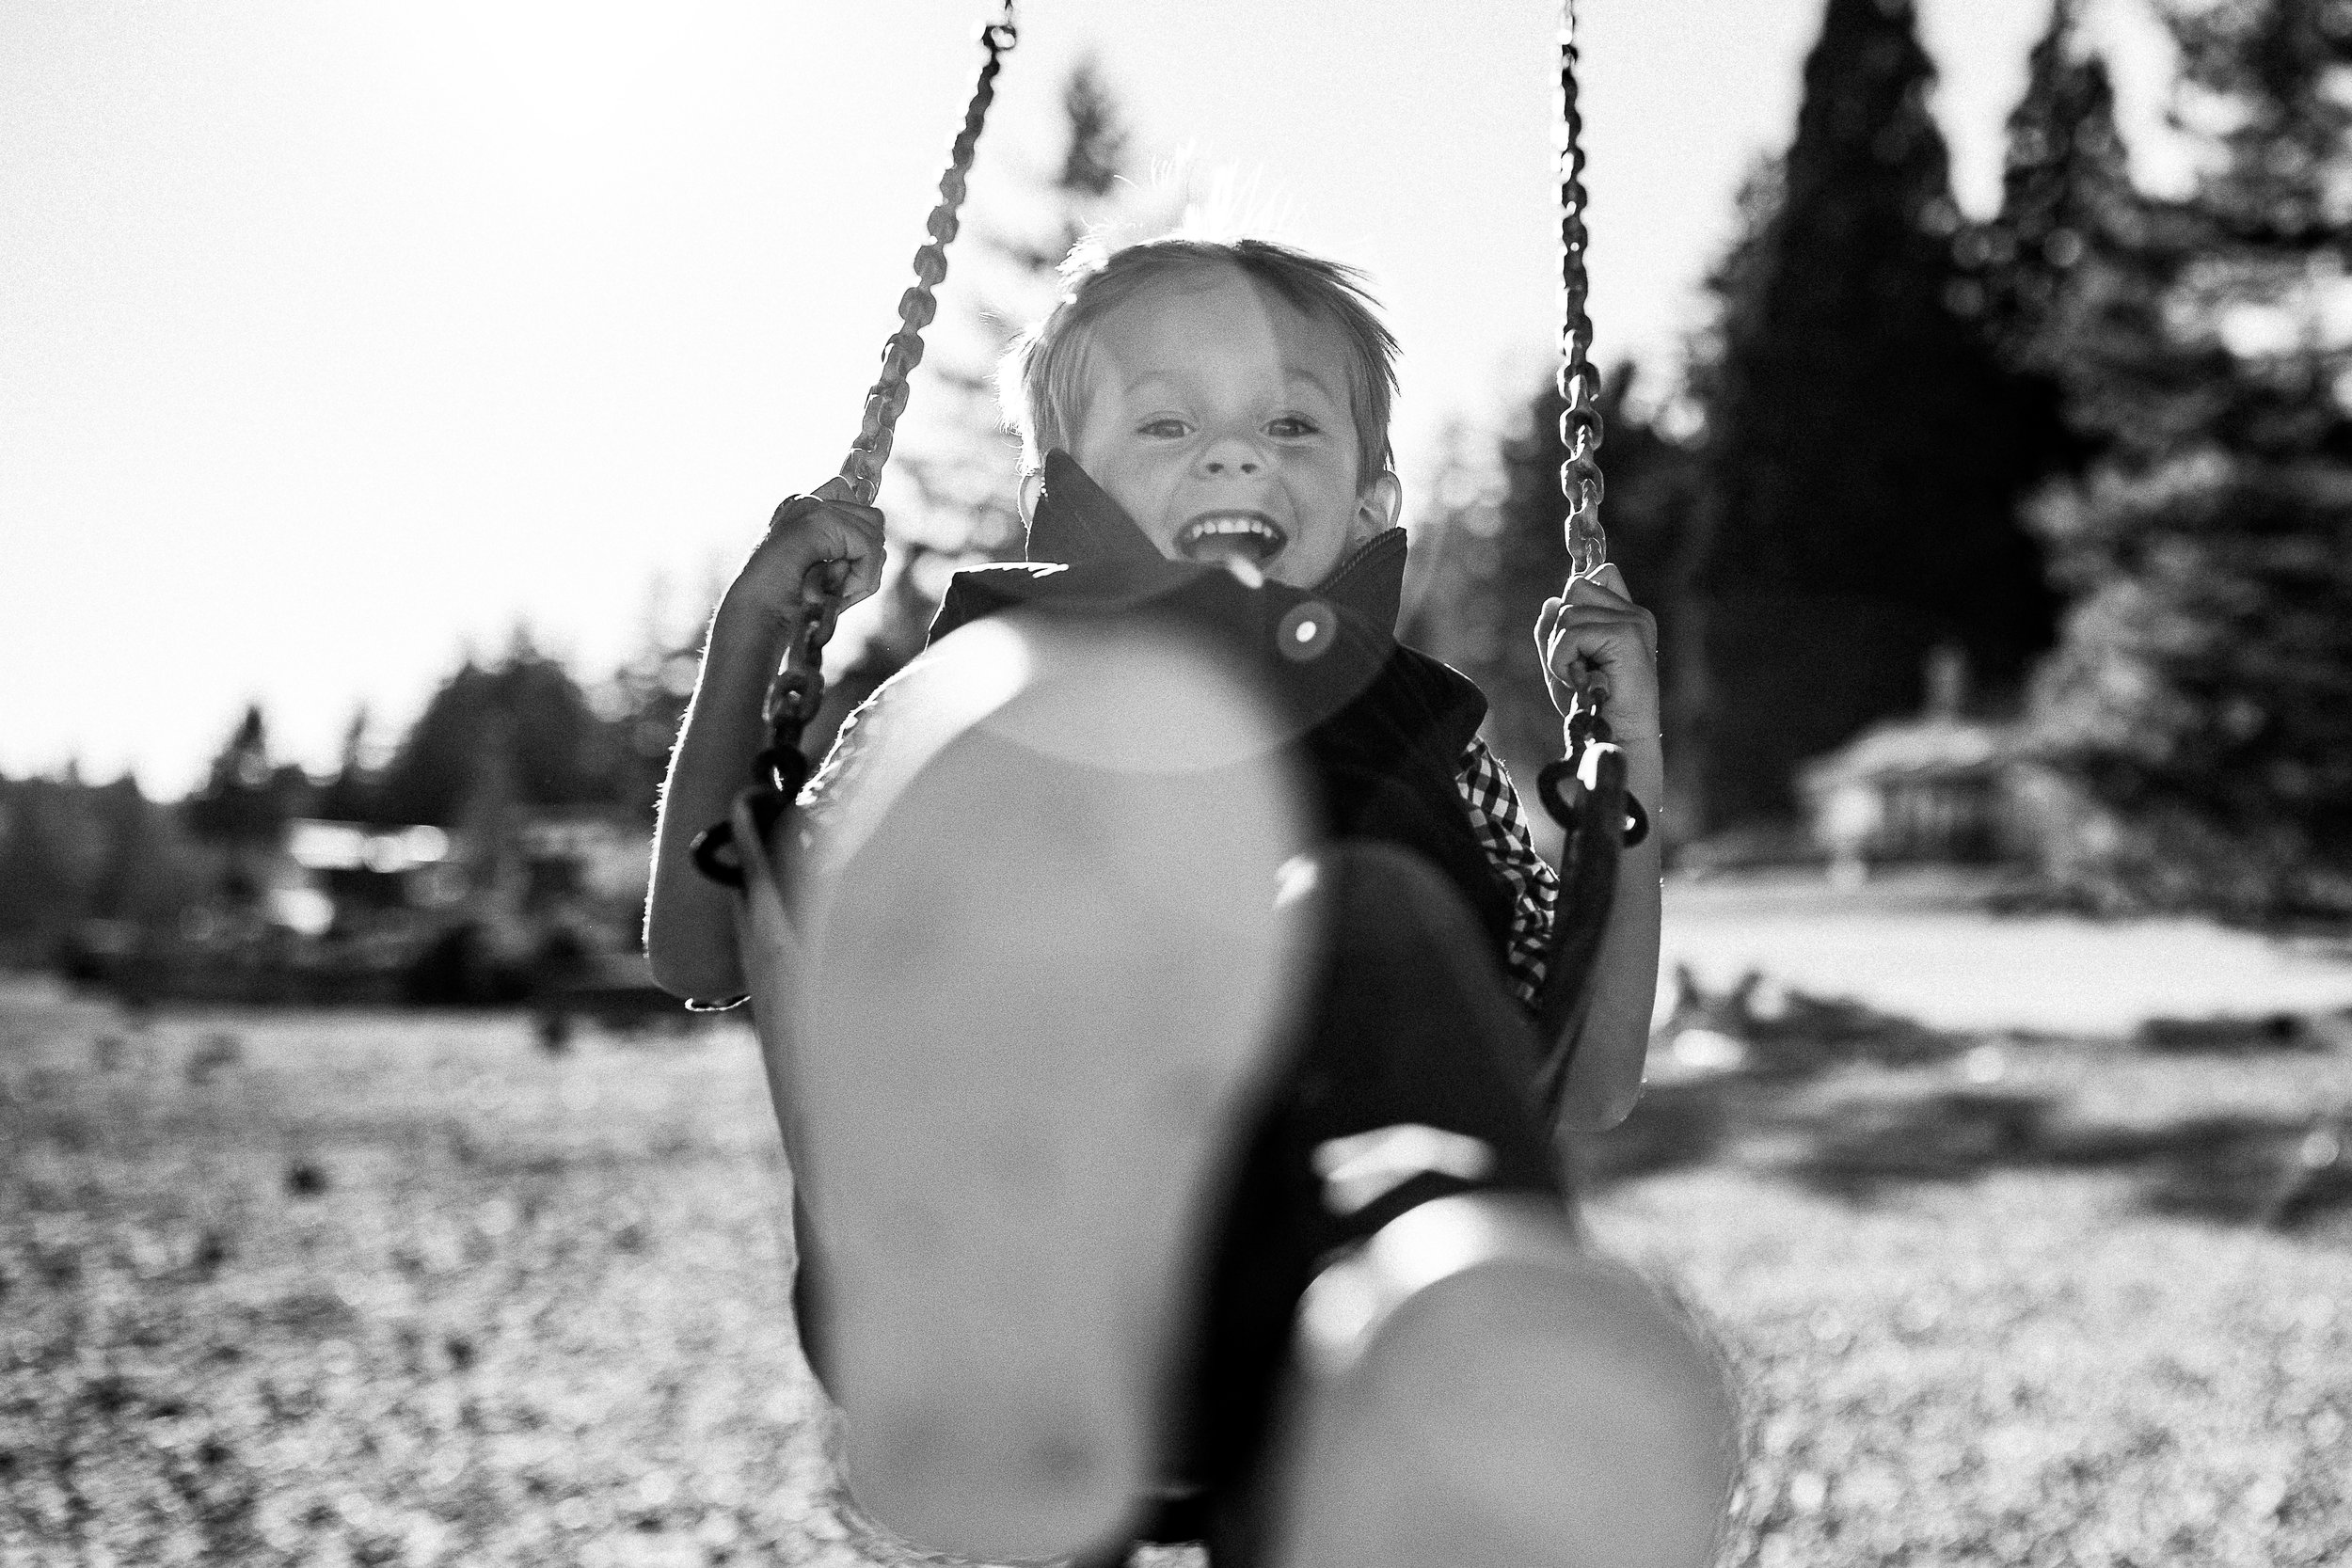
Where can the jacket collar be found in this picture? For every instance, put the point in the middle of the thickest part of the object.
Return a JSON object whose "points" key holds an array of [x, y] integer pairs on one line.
{"points": [[1075, 523]]}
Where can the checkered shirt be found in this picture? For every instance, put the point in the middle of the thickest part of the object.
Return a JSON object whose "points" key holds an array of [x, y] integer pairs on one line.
{"points": [[1500, 824], [1489, 798]]}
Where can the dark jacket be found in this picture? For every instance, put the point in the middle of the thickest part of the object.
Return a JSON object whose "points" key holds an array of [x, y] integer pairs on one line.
{"points": [[1381, 727]]}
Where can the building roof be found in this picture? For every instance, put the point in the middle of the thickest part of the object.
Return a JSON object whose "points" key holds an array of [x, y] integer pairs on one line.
{"points": [[1921, 750], [321, 846]]}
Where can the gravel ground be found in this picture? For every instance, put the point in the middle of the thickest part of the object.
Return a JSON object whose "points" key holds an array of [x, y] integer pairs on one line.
{"points": [[377, 1290]]}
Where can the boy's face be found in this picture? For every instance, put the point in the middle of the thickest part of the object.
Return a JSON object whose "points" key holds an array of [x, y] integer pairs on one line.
{"points": [[1216, 413]]}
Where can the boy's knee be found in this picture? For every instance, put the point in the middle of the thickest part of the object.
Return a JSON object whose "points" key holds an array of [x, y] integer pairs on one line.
{"points": [[1379, 896]]}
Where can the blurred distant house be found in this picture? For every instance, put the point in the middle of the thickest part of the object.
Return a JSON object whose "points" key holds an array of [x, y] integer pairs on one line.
{"points": [[1940, 787], [347, 869], [508, 906], [580, 866]]}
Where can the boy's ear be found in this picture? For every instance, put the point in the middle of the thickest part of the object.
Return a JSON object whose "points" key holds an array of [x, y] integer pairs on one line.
{"points": [[1381, 501], [1025, 498]]}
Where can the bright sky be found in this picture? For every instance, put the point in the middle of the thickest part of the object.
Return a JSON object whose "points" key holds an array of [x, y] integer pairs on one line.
{"points": [[337, 338]]}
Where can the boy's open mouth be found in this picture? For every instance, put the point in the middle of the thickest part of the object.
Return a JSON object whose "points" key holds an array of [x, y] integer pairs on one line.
{"points": [[1251, 536]]}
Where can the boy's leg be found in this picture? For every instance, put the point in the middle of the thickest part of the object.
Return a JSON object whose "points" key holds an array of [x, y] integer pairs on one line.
{"points": [[1469, 1384], [1417, 1069], [1045, 975], [1004, 1308]]}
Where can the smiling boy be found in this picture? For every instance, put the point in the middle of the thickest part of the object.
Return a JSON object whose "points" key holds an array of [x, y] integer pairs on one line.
{"points": [[1188, 986], [1244, 442]]}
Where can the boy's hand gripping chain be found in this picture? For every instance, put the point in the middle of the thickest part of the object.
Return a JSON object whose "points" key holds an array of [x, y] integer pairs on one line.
{"points": [[1585, 791], [1580, 434], [799, 687]]}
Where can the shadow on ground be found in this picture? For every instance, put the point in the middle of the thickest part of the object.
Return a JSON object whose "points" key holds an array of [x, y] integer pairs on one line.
{"points": [[1857, 1104]]}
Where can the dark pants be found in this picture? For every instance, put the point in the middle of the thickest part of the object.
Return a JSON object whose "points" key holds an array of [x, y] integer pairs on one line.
{"points": [[1413, 1023]]}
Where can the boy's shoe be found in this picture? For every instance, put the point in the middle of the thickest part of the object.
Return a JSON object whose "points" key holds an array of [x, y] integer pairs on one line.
{"points": [[1046, 973], [1474, 1390]]}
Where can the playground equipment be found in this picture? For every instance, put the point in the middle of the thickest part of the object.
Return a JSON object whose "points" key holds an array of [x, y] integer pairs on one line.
{"points": [[1584, 791], [1036, 1425]]}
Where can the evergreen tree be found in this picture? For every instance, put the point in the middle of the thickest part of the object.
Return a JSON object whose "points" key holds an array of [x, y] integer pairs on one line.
{"points": [[2068, 207], [71, 851], [1737, 283], [1493, 549], [350, 794], [525, 718], [646, 704], [245, 798], [1653, 517], [2202, 698], [149, 872], [1865, 447], [53, 851], [243, 805]]}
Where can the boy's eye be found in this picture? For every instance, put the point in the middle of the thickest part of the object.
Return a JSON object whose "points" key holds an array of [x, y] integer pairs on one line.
{"points": [[1289, 426], [1171, 428]]}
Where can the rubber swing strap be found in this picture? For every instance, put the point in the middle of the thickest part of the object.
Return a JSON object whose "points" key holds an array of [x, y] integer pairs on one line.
{"points": [[1586, 795]]}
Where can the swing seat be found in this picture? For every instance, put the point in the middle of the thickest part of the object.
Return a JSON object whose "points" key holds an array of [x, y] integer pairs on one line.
{"points": [[1016, 997]]}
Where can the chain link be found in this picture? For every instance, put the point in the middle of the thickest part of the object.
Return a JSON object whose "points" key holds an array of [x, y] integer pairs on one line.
{"points": [[1580, 425], [862, 469], [798, 688]]}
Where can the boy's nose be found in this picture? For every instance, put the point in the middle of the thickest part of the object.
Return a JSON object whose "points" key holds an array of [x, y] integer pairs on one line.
{"points": [[1229, 455]]}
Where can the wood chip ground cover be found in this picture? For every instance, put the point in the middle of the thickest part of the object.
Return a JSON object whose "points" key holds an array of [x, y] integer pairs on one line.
{"points": [[380, 1290]]}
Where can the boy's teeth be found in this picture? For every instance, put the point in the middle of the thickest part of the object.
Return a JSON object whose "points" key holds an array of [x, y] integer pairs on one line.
{"points": [[1231, 533]]}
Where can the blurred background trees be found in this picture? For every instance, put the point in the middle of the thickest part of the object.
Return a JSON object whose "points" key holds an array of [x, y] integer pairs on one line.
{"points": [[2202, 697], [522, 727], [1491, 551], [2096, 443], [1865, 446]]}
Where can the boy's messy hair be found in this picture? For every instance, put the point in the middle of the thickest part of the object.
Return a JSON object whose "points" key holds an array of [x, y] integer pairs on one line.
{"points": [[1041, 382]]}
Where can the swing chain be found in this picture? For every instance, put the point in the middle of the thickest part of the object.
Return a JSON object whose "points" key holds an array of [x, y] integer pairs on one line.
{"points": [[1581, 422], [1566, 784], [862, 469], [798, 688], [1580, 425]]}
